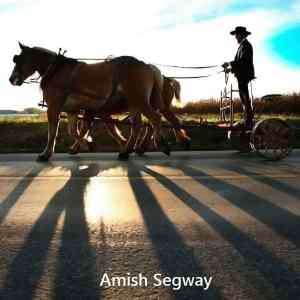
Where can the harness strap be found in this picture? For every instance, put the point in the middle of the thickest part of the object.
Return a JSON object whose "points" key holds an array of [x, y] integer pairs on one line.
{"points": [[68, 87]]}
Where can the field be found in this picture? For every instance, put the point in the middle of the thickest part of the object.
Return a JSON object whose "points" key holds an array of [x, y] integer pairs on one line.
{"points": [[29, 134]]}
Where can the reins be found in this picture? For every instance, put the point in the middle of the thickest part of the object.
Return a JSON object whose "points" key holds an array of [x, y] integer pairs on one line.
{"points": [[156, 64], [61, 53], [167, 66], [195, 77], [185, 67]]}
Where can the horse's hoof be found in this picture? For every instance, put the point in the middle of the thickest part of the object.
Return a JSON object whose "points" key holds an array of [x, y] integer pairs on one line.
{"points": [[91, 146], [165, 146], [43, 158], [73, 152], [140, 151], [123, 156], [167, 151], [141, 154], [187, 145]]}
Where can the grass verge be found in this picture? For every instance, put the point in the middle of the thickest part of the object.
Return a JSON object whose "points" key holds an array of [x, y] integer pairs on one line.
{"points": [[29, 135]]}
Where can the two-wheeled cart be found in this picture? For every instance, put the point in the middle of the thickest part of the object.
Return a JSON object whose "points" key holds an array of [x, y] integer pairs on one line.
{"points": [[271, 138]]}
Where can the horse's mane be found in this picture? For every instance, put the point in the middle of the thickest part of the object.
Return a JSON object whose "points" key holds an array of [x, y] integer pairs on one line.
{"points": [[61, 58], [44, 50], [59, 61]]}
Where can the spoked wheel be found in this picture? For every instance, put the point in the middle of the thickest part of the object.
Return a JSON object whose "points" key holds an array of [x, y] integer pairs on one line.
{"points": [[272, 139]]}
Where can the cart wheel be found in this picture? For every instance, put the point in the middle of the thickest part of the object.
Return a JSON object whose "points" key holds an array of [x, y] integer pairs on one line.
{"points": [[272, 139]]}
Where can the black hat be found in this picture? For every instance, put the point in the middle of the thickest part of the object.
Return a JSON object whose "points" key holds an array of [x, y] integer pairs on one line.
{"points": [[241, 30]]}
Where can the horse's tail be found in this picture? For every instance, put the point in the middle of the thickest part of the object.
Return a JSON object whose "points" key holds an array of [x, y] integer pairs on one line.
{"points": [[177, 91], [177, 88]]}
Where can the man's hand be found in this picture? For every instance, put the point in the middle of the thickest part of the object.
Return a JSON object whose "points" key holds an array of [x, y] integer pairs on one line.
{"points": [[225, 65]]}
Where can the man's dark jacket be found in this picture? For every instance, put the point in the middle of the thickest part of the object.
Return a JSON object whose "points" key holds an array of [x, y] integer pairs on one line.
{"points": [[242, 66]]}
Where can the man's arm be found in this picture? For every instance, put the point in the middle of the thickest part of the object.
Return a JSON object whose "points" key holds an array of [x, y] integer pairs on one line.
{"points": [[244, 58]]}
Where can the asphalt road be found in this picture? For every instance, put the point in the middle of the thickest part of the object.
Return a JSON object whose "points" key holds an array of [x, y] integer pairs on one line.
{"points": [[71, 223]]}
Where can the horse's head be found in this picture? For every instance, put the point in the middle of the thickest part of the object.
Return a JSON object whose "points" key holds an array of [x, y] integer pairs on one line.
{"points": [[24, 66]]}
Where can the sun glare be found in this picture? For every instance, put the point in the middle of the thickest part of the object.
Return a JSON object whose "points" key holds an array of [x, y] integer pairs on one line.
{"points": [[97, 200], [110, 200]]}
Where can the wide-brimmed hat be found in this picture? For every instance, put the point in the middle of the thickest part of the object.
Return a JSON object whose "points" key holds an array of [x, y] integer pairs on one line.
{"points": [[241, 30]]}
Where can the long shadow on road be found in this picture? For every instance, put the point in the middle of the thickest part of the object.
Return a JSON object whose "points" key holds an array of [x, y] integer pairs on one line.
{"points": [[266, 212], [272, 182], [285, 282], [10, 201], [175, 257], [75, 276]]}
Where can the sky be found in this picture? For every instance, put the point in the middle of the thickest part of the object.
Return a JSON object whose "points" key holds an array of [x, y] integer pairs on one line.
{"points": [[173, 32]]}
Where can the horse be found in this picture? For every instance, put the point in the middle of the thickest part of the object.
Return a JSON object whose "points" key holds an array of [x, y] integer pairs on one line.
{"points": [[171, 89], [69, 85], [79, 128]]}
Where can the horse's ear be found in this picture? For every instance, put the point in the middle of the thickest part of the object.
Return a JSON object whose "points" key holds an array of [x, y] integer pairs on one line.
{"points": [[22, 46]]}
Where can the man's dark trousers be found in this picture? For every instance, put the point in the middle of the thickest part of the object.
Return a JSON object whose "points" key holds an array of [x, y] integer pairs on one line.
{"points": [[246, 102]]}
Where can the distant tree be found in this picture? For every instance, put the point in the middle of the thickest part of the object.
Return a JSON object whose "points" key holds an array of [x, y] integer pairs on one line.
{"points": [[31, 110], [271, 97], [8, 112]]}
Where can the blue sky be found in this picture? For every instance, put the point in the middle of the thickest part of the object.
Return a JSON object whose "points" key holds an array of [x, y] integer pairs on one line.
{"points": [[284, 44], [171, 32], [243, 6]]}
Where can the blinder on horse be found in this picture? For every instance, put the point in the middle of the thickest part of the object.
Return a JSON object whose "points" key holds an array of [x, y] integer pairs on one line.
{"points": [[22, 58], [16, 59], [19, 61]]}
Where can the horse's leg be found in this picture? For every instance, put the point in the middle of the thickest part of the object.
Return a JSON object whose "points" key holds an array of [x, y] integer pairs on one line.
{"points": [[134, 132], [53, 122], [83, 128], [157, 102], [79, 130], [115, 133], [144, 143], [179, 132], [73, 132], [155, 119]]}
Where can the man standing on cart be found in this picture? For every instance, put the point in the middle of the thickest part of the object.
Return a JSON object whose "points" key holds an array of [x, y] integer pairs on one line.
{"points": [[243, 69]]}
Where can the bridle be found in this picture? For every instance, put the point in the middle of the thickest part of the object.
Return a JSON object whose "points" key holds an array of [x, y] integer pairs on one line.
{"points": [[47, 72]]}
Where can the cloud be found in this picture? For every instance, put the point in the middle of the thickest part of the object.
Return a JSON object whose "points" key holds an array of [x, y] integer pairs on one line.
{"points": [[13, 5], [163, 32], [182, 12]]}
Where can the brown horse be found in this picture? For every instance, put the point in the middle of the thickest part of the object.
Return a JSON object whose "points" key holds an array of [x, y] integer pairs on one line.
{"points": [[79, 129], [69, 85], [171, 89]]}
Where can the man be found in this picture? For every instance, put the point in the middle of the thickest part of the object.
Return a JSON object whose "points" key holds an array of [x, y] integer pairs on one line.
{"points": [[243, 69]]}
